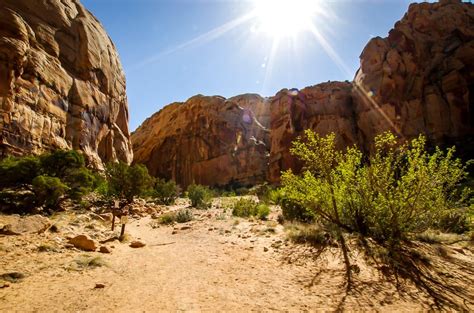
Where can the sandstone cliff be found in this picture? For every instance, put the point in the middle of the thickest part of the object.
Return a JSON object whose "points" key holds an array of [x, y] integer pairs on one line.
{"points": [[206, 140], [419, 80], [61, 82]]}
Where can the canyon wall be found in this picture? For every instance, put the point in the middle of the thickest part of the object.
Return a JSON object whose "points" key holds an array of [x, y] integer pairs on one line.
{"points": [[418, 80], [61, 83], [206, 140]]}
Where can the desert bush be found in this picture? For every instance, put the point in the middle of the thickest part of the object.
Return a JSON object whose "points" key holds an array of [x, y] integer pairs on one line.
{"points": [[184, 215], [400, 190], [167, 218], [48, 190], [244, 208], [263, 211], [247, 207], [18, 171], [80, 181], [312, 234], [200, 196], [166, 192], [60, 163], [127, 182]]}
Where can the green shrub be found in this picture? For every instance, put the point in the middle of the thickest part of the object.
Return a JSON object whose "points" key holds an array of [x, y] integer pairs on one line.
{"points": [[245, 208], [401, 189], [48, 190], [126, 181], [200, 196], [60, 162], [184, 216], [166, 192], [263, 211], [167, 218], [293, 210], [80, 181], [18, 171]]}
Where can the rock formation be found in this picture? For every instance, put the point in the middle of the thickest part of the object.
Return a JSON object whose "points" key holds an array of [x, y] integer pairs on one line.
{"points": [[419, 80], [61, 82], [324, 108], [206, 140]]}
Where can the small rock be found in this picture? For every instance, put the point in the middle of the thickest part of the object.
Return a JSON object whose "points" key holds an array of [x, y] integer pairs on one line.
{"points": [[174, 232], [12, 277], [185, 227], [265, 249], [4, 285], [137, 244], [99, 286], [227, 231], [104, 249], [68, 246], [54, 228], [83, 242]]}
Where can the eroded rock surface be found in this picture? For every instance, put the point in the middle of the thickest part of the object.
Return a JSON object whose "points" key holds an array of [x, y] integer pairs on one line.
{"points": [[205, 140], [61, 82], [420, 79]]}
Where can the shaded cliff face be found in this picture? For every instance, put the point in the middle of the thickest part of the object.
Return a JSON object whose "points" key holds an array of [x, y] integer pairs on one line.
{"points": [[420, 80], [61, 82], [206, 140]]}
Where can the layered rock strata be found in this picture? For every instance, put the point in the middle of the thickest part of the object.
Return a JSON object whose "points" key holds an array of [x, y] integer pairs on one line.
{"points": [[61, 82]]}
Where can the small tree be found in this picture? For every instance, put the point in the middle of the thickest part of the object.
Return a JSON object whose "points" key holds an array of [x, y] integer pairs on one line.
{"points": [[126, 182], [401, 189]]}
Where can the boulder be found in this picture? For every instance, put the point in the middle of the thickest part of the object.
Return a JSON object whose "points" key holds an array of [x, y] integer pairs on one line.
{"points": [[137, 244], [82, 242], [61, 83], [16, 225]]}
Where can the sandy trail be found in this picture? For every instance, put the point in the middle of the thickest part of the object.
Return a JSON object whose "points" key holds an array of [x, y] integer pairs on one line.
{"points": [[212, 264]]}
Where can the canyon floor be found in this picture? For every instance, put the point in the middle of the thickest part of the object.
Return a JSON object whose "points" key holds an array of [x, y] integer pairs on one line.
{"points": [[214, 263]]}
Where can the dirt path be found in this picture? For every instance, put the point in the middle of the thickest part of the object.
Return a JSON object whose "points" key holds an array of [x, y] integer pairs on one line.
{"points": [[211, 264]]}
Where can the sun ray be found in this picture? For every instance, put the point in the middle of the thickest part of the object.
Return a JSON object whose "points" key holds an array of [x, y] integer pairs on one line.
{"points": [[270, 63], [330, 50], [201, 39]]}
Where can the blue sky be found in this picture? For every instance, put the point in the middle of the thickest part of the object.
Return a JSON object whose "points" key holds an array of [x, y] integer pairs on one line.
{"points": [[174, 49]]}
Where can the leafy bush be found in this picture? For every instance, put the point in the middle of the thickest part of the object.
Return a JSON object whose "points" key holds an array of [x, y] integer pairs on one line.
{"points": [[48, 190], [166, 192], [244, 208], [200, 196], [263, 211], [247, 207], [293, 210], [80, 181], [184, 215], [401, 189]]}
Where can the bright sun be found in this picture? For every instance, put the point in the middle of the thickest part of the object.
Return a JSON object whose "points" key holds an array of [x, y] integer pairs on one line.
{"points": [[284, 18]]}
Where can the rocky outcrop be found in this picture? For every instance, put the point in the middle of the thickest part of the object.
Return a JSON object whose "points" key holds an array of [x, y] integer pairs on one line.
{"points": [[420, 80], [61, 82], [324, 108], [205, 140]]}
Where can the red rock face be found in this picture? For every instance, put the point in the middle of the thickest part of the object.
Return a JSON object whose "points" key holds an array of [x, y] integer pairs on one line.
{"points": [[420, 80], [324, 108], [61, 82], [206, 140]]}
